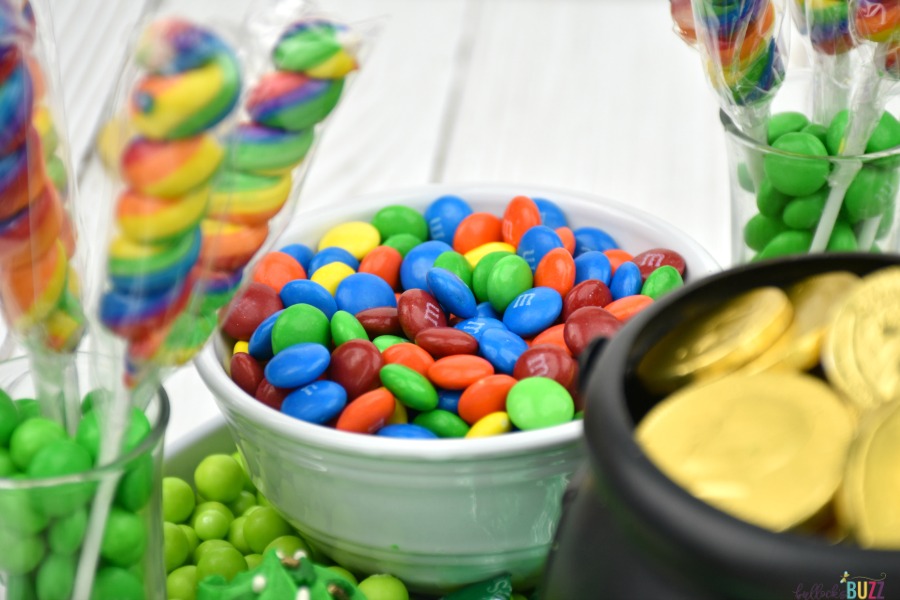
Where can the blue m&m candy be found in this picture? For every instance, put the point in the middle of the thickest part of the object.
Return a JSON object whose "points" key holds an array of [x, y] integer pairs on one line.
{"points": [[537, 242], [593, 265], [444, 215], [627, 281], [326, 256], [449, 400], [588, 239], [551, 215], [453, 294], [260, 344], [502, 348], [533, 311], [317, 402], [306, 291], [301, 252], [417, 262], [362, 291], [478, 325], [407, 431], [484, 309], [298, 365]]}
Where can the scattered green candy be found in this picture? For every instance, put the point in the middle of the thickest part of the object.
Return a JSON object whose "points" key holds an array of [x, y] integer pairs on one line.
{"points": [[300, 323], [383, 342], [481, 272], [396, 219], [176, 547], [177, 500], [786, 243], [409, 387], [510, 277], [785, 122], [88, 434], [67, 533], [21, 553], [760, 230], [770, 201], [212, 520], [58, 458], [869, 193], [206, 546], [457, 264], [218, 477], [113, 582], [191, 537], [226, 562], [842, 238], [182, 583], [344, 573], [538, 402], [262, 526], [885, 136], [7, 467], [804, 212], [18, 513], [28, 409], [287, 545], [253, 560], [245, 500], [56, 578], [797, 175], [30, 437], [442, 423], [403, 242], [9, 419], [236, 535], [662, 281], [346, 327], [383, 587], [136, 486], [820, 131], [124, 539], [92, 398]]}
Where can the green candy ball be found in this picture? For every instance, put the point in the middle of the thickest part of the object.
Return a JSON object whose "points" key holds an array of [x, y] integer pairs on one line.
{"points": [[225, 562], [182, 583], [870, 192], [56, 578], [113, 582], [785, 122], [124, 539], [67, 533], [786, 243], [220, 478], [770, 201], [804, 212], [797, 175], [9, 419], [30, 437], [383, 587], [178, 500], [263, 526]]}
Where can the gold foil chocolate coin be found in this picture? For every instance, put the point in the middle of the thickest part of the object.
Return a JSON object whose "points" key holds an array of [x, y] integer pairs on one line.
{"points": [[815, 301], [869, 500], [861, 353], [766, 448], [726, 339]]}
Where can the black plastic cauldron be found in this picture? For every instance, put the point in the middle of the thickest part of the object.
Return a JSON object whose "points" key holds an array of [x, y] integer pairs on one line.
{"points": [[629, 532]]}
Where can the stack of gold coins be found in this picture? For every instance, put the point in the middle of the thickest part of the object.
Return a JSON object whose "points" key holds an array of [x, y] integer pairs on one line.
{"points": [[782, 407]]}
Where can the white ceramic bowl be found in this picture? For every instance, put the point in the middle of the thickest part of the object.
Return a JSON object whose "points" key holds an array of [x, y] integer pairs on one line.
{"points": [[441, 513]]}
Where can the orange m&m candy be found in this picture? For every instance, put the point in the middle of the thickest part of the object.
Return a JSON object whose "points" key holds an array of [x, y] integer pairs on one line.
{"points": [[368, 413], [476, 230], [383, 261], [408, 355], [556, 270], [625, 308], [277, 269], [484, 397], [459, 372], [521, 215], [552, 335], [567, 236], [617, 257]]}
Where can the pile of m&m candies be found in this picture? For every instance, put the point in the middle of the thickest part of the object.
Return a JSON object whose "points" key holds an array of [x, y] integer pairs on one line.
{"points": [[44, 520], [451, 323]]}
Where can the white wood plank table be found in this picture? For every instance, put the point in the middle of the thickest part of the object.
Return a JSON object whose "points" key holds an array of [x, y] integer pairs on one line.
{"points": [[591, 95]]}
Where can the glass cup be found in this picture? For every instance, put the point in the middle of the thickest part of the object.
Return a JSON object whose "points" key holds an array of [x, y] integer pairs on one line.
{"points": [[44, 522], [787, 203]]}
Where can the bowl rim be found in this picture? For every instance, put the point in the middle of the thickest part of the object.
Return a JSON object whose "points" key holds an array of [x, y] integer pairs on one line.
{"points": [[660, 505], [227, 393]]}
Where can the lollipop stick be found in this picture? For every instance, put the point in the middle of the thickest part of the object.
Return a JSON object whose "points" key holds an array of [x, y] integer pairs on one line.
{"points": [[831, 93], [861, 123], [56, 385]]}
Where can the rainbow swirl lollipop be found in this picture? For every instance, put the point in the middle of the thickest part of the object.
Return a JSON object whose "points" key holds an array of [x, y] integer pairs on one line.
{"points": [[191, 82]]}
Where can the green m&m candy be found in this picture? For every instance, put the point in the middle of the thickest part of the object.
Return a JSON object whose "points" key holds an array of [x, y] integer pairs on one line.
{"points": [[298, 324], [785, 122], [346, 327], [457, 264], [538, 402], [662, 281], [804, 212], [409, 387], [510, 277], [397, 219], [442, 423], [481, 272]]}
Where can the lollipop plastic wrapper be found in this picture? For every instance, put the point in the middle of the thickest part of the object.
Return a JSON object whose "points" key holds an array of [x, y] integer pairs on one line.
{"points": [[39, 279], [876, 26], [826, 26], [742, 50], [310, 62]]}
